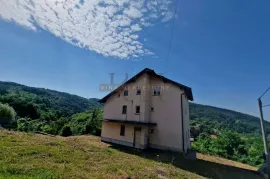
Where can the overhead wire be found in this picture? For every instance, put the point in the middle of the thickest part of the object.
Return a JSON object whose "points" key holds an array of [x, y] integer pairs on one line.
{"points": [[171, 36], [264, 93]]}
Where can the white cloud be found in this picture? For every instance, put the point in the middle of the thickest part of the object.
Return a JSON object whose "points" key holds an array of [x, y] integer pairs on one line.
{"points": [[108, 27], [133, 12]]}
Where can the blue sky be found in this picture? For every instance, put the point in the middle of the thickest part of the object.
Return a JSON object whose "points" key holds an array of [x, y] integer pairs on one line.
{"points": [[219, 48]]}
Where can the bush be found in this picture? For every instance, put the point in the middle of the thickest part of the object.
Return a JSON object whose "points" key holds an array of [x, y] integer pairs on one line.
{"points": [[34, 125], [22, 124], [66, 131], [7, 115], [48, 129]]}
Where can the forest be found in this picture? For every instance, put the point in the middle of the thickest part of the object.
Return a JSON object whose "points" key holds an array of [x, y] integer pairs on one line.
{"points": [[216, 131], [49, 111]]}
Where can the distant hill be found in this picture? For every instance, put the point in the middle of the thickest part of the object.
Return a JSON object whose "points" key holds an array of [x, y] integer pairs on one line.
{"points": [[33, 102], [212, 119]]}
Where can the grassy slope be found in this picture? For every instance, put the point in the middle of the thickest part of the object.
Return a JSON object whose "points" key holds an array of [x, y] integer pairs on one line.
{"points": [[26, 156]]}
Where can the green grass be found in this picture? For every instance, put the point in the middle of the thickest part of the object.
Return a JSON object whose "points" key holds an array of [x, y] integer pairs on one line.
{"points": [[32, 156]]}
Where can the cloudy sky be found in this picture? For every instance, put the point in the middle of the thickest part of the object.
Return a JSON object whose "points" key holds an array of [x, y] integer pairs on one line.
{"points": [[219, 48], [108, 27]]}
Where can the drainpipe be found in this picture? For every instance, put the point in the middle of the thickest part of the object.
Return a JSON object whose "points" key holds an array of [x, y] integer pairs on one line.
{"points": [[182, 120]]}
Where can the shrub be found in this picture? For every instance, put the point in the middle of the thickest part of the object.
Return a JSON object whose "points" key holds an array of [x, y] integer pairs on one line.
{"points": [[48, 129], [66, 131], [22, 124], [34, 125], [7, 115]]}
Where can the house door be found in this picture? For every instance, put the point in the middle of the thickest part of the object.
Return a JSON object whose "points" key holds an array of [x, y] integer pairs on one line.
{"points": [[137, 137]]}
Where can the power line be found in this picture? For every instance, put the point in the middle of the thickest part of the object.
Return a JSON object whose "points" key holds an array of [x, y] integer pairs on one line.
{"points": [[264, 93], [266, 105], [172, 31]]}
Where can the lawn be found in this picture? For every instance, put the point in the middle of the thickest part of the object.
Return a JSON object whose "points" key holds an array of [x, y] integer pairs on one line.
{"points": [[35, 156]]}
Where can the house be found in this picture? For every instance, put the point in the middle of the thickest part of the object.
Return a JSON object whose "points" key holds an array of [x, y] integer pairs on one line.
{"points": [[148, 111]]}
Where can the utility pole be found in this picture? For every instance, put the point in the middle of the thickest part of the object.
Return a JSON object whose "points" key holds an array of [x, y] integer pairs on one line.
{"points": [[263, 128], [267, 158]]}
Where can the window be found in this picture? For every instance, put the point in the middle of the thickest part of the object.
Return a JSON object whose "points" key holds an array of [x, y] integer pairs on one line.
{"points": [[118, 95], [152, 109], [151, 131], [124, 109], [126, 93], [122, 130], [138, 91], [137, 109], [156, 91]]}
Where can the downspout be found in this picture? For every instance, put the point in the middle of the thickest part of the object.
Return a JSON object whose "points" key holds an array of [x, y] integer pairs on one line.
{"points": [[182, 120]]}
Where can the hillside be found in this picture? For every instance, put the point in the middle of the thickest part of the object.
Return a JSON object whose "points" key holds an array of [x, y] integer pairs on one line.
{"points": [[49, 111], [33, 156], [212, 120], [227, 133], [35, 102]]}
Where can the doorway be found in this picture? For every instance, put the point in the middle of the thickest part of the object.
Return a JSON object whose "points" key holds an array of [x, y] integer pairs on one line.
{"points": [[137, 137]]}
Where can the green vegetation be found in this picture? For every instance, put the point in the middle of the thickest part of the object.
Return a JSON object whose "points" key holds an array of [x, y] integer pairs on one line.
{"points": [[232, 146], [34, 156], [227, 133], [47, 111], [66, 131], [211, 120], [7, 115]]}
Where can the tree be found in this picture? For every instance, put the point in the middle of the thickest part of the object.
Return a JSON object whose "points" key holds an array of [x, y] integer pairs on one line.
{"points": [[94, 115], [7, 115]]}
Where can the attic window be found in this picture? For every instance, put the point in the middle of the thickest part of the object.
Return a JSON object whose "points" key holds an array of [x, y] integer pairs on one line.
{"points": [[126, 93], [156, 91]]}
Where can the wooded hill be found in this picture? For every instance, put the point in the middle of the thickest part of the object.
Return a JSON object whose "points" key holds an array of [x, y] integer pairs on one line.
{"points": [[41, 103], [50, 111], [211, 120]]}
